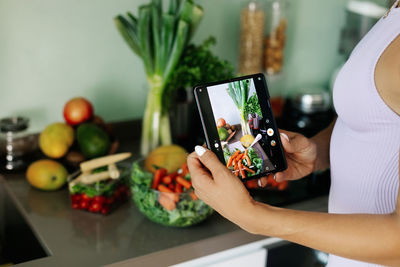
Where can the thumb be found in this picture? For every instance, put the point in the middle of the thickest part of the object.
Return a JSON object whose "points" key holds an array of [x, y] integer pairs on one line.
{"points": [[210, 160], [288, 147]]}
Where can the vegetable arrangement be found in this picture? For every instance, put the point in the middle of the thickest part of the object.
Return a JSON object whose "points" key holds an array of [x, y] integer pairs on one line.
{"points": [[167, 199], [243, 164], [100, 197], [159, 38], [253, 106], [239, 92]]}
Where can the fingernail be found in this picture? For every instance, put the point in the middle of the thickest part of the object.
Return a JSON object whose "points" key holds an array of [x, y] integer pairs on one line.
{"points": [[285, 136], [259, 183], [200, 150], [274, 177]]}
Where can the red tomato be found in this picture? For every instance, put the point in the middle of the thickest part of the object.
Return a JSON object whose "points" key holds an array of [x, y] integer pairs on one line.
{"points": [[105, 210], [99, 199], [84, 205], [85, 197], [110, 200], [95, 207], [75, 206], [76, 198], [77, 110]]}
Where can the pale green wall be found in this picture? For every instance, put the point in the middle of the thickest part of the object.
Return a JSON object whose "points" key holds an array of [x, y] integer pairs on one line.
{"points": [[52, 50]]}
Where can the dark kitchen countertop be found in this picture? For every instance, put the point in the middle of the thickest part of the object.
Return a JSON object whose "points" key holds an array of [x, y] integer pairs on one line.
{"points": [[77, 238]]}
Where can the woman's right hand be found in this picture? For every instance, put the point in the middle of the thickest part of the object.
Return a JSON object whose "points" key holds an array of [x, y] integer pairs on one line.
{"points": [[301, 156]]}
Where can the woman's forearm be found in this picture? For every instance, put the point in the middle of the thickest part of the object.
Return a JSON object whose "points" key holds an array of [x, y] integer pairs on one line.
{"points": [[322, 140], [370, 238]]}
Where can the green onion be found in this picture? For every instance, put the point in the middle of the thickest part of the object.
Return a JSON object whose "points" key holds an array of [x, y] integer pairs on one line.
{"points": [[159, 39], [239, 92]]}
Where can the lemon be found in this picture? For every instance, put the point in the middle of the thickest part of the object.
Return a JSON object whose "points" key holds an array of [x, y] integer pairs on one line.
{"points": [[247, 140]]}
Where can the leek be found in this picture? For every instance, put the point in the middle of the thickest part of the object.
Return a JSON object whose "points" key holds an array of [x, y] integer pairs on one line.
{"points": [[239, 92], [159, 39]]}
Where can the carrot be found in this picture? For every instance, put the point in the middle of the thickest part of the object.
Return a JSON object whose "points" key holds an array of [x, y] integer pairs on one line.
{"points": [[242, 173], [173, 175], [236, 170], [163, 188], [245, 152], [252, 184], [166, 179], [248, 160], [166, 201], [178, 188], [249, 170], [185, 183], [230, 160], [185, 169], [157, 177], [193, 195], [235, 154]]}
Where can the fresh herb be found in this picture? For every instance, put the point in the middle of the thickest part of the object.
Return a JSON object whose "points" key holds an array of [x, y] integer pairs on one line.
{"points": [[198, 65], [255, 160], [159, 38], [239, 92], [252, 106]]}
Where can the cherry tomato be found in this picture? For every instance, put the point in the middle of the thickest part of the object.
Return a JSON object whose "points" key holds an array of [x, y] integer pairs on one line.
{"points": [[99, 199], [75, 206], [95, 207], [86, 197], [110, 200], [84, 205], [76, 198], [105, 210]]}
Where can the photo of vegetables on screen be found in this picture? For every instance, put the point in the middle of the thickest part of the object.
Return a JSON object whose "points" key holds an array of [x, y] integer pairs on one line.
{"points": [[241, 129]]}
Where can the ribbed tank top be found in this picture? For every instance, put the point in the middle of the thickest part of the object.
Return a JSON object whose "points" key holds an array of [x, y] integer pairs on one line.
{"points": [[365, 143]]}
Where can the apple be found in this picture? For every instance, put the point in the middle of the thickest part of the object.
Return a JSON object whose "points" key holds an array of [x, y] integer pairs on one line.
{"points": [[77, 110]]}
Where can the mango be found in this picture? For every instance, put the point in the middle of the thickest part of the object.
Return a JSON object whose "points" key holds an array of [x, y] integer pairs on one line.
{"points": [[170, 157], [46, 175], [56, 139]]}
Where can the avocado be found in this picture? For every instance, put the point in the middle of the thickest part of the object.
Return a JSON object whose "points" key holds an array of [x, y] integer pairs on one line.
{"points": [[93, 141]]}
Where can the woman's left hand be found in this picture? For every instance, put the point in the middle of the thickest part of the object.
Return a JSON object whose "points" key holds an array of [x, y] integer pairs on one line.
{"points": [[218, 187]]}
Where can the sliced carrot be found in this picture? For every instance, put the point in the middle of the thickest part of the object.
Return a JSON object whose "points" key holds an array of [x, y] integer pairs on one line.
{"points": [[252, 184], [185, 183], [230, 160], [178, 188], [157, 177], [185, 169], [236, 171], [166, 179], [193, 195], [163, 188], [249, 170], [242, 173], [248, 160], [166, 201]]}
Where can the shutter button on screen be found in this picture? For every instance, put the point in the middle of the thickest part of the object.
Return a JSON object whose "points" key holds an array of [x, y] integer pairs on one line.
{"points": [[216, 145]]}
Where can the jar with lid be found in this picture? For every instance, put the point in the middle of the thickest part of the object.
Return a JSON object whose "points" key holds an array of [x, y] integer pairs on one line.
{"points": [[275, 39], [252, 21], [14, 142]]}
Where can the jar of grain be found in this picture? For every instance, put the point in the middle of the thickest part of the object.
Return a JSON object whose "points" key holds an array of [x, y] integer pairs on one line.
{"points": [[252, 21], [275, 39]]}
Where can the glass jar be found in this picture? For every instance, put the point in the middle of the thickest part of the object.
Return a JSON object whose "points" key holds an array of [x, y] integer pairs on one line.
{"points": [[275, 39], [13, 142], [252, 21]]}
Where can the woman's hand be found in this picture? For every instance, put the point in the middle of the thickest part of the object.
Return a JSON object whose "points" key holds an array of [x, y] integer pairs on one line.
{"points": [[301, 156], [218, 187]]}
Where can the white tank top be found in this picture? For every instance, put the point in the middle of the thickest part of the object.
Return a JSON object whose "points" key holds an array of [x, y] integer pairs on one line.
{"points": [[365, 143]]}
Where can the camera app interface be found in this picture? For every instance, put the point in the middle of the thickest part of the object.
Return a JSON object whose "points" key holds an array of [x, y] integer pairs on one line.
{"points": [[245, 136]]}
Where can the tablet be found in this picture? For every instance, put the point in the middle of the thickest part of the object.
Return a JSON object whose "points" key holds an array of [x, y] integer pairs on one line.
{"points": [[239, 126]]}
